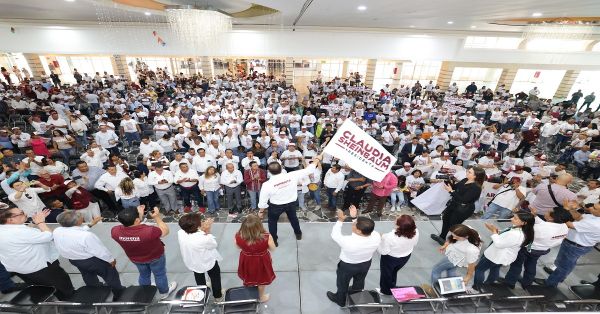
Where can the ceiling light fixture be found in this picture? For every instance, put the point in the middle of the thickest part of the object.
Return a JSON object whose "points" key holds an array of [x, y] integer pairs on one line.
{"points": [[147, 13], [199, 28], [412, 26], [473, 26], [450, 22], [361, 8], [536, 14], [69, 0]]}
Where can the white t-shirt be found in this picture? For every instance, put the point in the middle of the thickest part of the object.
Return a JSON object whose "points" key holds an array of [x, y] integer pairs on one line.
{"points": [[508, 199], [396, 246], [548, 234], [462, 253]]}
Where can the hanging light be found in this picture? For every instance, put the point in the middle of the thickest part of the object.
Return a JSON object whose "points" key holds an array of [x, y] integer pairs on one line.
{"points": [[197, 28]]}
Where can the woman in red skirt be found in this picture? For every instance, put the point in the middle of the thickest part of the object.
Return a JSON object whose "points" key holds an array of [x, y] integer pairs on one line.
{"points": [[255, 266]]}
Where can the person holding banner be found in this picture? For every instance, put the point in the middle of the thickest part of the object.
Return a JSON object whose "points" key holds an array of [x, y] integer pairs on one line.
{"points": [[462, 204]]}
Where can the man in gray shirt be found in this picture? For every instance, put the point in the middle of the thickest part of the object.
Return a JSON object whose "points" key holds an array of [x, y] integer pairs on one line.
{"points": [[86, 176]]}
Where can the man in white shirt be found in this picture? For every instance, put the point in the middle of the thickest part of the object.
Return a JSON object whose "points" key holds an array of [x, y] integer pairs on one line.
{"points": [[202, 161], [248, 159], [30, 252], [163, 180], [279, 194], [333, 182], [291, 158], [147, 147], [26, 197], [130, 129], [188, 183], [506, 199], [356, 253], [85, 250], [589, 194], [584, 234], [56, 123], [231, 179], [107, 139]]}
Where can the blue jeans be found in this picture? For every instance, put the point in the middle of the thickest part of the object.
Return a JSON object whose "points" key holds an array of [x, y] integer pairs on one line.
{"points": [[253, 199], [397, 196], [331, 199], [495, 209], [301, 202], [5, 282], [443, 265], [158, 267], [565, 261], [130, 203], [316, 195], [83, 140], [483, 266], [132, 136], [66, 154], [212, 197], [527, 260]]}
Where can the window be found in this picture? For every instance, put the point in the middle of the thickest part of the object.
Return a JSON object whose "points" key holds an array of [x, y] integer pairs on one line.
{"points": [[11, 59], [384, 74], [547, 81], [423, 71], [596, 47], [492, 42], [587, 81], [357, 65], [487, 77], [147, 63], [330, 69], [275, 67], [557, 45], [187, 66]]}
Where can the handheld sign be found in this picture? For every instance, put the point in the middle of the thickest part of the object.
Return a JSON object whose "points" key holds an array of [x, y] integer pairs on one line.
{"points": [[360, 151]]}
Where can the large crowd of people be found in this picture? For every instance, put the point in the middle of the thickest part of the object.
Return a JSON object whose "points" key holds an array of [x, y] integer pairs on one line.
{"points": [[249, 144]]}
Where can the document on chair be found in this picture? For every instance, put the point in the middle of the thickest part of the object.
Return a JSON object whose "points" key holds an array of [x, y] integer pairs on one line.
{"points": [[406, 294]]}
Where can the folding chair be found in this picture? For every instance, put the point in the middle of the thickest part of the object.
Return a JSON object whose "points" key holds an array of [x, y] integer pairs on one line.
{"points": [[366, 302], [504, 298], [427, 304], [178, 305], [28, 299], [132, 299], [589, 295], [460, 299], [240, 300], [82, 301], [554, 299]]}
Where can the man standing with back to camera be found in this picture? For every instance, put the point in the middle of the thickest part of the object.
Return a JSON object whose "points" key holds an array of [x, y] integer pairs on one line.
{"points": [[280, 195]]}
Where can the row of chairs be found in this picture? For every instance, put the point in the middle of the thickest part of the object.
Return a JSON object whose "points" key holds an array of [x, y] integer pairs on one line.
{"points": [[492, 298], [134, 299]]}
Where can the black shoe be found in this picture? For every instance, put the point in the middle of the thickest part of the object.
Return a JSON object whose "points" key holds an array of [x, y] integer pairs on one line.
{"points": [[299, 236], [506, 283], [17, 287], [276, 244], [541, 282], [438, 239], [332, 297], [548, 270]]}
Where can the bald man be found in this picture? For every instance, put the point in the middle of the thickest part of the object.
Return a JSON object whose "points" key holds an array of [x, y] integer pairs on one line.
{"points": [[549, 196]]}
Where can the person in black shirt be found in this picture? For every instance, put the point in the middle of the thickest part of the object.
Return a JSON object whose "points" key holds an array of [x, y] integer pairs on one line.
{"points": [[462, 204]]}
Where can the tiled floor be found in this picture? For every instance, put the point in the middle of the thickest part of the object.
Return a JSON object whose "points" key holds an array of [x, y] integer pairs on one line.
{"points": [[306, 269]]}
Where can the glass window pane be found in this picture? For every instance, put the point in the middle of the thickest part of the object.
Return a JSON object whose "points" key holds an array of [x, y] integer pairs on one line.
{"points": [[547, 81]]}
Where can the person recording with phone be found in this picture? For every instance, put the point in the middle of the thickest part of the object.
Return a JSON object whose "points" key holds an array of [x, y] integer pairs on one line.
{"points": [[26, 196], [461, 206]]}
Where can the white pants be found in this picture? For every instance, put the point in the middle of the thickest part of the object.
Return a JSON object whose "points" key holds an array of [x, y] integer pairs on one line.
{"points": [[90, 212]]}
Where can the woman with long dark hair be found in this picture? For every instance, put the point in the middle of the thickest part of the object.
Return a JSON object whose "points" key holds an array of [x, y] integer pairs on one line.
{"points": [[504, 248], [462, 204], [395, 248], [460, 250]]}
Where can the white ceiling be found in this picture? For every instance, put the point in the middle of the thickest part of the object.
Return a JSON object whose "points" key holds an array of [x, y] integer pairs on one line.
{"points": [[388, 14]]}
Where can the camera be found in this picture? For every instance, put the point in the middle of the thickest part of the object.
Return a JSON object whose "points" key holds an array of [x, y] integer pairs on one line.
{"points": [[443, 176]]}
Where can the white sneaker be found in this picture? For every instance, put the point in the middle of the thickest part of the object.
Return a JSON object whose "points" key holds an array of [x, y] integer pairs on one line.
{"points": [[172, 287]]}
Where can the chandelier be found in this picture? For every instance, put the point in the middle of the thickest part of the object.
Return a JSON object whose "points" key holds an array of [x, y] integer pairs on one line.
{"points": [[198, 28]]}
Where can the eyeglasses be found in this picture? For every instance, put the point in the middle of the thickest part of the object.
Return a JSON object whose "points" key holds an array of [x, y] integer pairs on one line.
{"points": [[18, 215]]}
